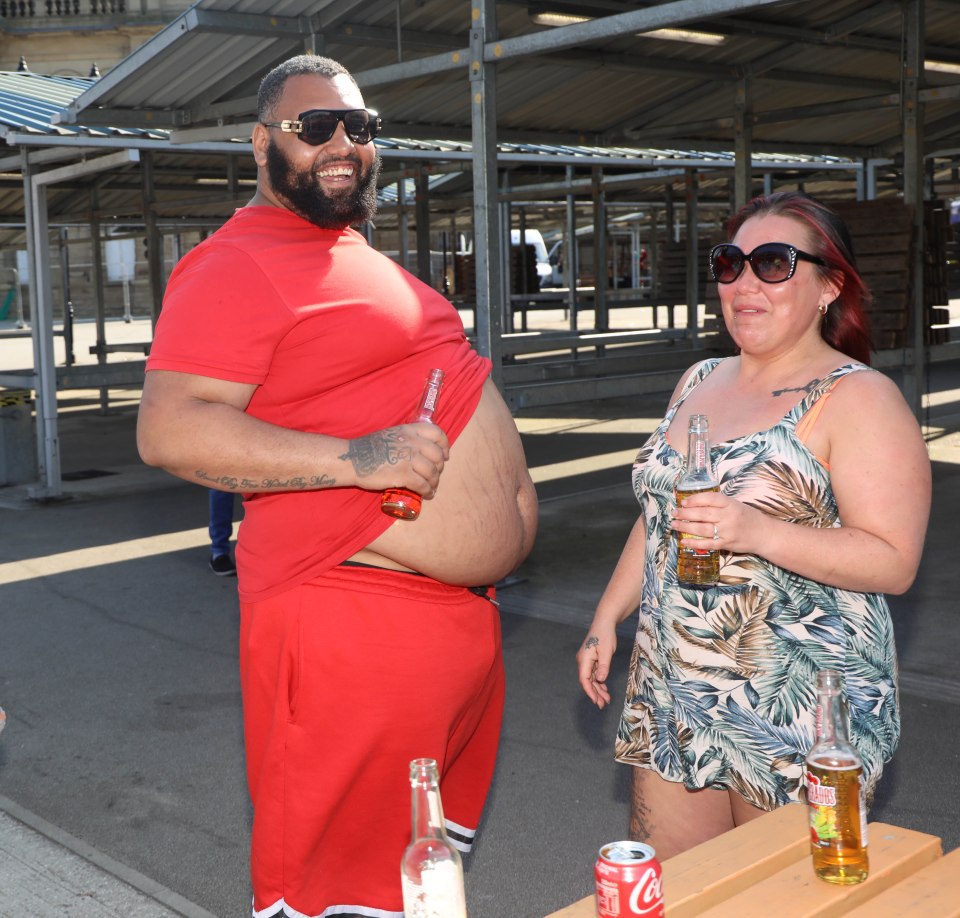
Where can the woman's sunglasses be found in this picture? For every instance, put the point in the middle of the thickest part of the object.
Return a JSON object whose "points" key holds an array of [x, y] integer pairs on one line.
{"points": [[772, 262], [318, 125]]}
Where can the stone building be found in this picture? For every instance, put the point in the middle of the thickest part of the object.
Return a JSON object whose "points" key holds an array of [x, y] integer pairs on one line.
{"points": [[78, 37]]}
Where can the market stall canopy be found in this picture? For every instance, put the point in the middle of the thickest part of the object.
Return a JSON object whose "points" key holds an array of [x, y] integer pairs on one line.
{"points": [[813, 78]]}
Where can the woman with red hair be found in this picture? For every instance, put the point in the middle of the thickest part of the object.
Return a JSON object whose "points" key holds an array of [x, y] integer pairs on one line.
{"points": [[822, 508]]}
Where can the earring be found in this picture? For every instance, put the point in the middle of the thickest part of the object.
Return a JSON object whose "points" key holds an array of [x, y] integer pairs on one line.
{"points": [[822, 309]]}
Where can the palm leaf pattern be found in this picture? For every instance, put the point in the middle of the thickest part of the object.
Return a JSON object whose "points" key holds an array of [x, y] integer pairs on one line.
{"points": [[720, 691]]}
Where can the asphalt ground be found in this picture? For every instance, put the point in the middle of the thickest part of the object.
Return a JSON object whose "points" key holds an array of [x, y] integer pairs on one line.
{"points": [[121, 765]]}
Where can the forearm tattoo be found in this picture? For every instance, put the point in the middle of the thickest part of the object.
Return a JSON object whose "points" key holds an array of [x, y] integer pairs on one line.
{"points": [[370, 453], [231, 483]]}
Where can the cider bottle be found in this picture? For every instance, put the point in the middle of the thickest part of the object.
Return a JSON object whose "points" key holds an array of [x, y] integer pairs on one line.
{"points": [[431, 873], [836, 797], [399, 502], [697, 566]]}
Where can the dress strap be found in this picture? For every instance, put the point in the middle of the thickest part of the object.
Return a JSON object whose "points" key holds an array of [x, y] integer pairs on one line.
{"points": [[805, 413], [697, 375]]}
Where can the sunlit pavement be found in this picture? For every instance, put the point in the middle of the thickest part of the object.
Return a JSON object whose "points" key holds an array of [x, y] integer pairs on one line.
{"points": [[121, 765]]}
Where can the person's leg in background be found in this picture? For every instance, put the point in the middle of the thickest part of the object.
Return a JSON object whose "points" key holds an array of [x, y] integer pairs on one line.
{"points": [[221, 529]]}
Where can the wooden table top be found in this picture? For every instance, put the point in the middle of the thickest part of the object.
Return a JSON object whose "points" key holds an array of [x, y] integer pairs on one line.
{"points": [[767, 862]]}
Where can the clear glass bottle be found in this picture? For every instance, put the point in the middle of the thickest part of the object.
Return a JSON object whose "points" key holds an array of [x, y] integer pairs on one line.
{"points": [[431, 871], [399, 502], [836, 796], [697, 566]]}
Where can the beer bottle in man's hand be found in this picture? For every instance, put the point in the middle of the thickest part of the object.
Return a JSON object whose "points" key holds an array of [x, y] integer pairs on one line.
{"points": [[399, 502]]}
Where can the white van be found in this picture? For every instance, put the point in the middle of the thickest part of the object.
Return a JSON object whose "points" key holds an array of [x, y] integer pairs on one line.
{"points": [[535, 238]]}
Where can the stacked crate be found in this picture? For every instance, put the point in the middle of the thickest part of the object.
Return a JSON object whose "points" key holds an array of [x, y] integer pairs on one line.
{"points": [[670, 276], [521, 283], [465, 276], [882, 231]]}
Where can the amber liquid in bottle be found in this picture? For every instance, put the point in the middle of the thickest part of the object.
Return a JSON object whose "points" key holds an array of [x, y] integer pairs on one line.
{"points": [[698, 567], [399, 502], [835, 792]]}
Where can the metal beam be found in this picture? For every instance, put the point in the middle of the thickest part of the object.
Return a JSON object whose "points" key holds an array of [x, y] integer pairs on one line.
{"points": [[262, 25], [691, 193], [486, 219], [136, 118], [913, 27], [678, 12], [356, 33], [37, 158], [216, 132], [743, 140], [667, 14]]}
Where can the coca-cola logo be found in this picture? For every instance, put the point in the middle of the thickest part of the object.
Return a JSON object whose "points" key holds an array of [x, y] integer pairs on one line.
{"points": [[647, 895]]}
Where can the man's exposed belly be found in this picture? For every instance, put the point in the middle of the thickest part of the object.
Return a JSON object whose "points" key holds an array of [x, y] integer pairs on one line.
{"points": [[482, 522]]}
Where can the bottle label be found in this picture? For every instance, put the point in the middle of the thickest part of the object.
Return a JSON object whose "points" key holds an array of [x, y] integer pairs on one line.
{"points": [[836, 803], [818, 795], [439, 894], [430, 402]]}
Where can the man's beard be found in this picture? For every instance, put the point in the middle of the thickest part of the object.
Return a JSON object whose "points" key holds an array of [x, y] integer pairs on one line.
{"points": [[302, 193]]}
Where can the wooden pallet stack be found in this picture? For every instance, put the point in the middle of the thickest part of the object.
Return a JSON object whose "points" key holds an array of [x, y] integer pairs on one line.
{"points": [[465, 275], [670, 283], [882, 233], [523, 277]]}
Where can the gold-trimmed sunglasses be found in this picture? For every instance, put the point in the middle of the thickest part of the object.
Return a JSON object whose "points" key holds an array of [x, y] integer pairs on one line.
{"points": [[318, 125]]}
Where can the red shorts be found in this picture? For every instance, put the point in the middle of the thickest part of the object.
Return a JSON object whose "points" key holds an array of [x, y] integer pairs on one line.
{"points": [[346, 679]]}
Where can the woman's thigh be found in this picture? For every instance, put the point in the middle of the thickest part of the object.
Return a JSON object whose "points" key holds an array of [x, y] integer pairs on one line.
{"points": [[672, 818]]}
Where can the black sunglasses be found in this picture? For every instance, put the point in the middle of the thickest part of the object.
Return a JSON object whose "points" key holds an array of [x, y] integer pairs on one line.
{"points": [[772, 262], [318, 125]]}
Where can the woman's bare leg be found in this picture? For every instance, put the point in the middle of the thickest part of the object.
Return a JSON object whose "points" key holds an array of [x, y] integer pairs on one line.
{"points": [[671, 818], [743, 811]]}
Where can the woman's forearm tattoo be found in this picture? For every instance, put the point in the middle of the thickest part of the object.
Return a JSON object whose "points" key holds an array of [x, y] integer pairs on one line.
{"points": [[368, 454]]}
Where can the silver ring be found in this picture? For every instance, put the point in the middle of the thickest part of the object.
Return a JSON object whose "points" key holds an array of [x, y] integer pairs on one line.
{"points": [[716, 533]]}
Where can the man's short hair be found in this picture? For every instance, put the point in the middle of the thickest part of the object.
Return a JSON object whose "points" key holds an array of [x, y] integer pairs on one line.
{"points": [[271, 87]]}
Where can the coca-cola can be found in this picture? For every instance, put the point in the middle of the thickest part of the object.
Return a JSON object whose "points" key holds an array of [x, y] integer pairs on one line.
{"points": [[629, 881]]}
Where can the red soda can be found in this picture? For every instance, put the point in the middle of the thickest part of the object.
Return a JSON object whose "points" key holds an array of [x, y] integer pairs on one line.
{"points": [[629, 881]]}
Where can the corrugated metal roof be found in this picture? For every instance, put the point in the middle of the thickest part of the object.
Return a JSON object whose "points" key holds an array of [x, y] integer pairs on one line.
{"points": [[825, 76], [29, 102]]}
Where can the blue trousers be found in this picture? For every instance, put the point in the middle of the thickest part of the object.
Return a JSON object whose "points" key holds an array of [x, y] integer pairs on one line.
{"points": [[221, 521]]}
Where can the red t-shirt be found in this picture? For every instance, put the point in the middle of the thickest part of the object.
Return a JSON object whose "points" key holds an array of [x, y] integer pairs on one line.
{"points": [[338, 340]]}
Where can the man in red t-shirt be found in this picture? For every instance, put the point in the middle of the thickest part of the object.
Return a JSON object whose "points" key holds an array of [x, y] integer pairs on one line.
{"points": [[286, 364]]}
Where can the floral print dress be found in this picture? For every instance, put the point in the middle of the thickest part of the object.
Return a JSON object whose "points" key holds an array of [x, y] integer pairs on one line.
{"points": [[722, 683]]}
